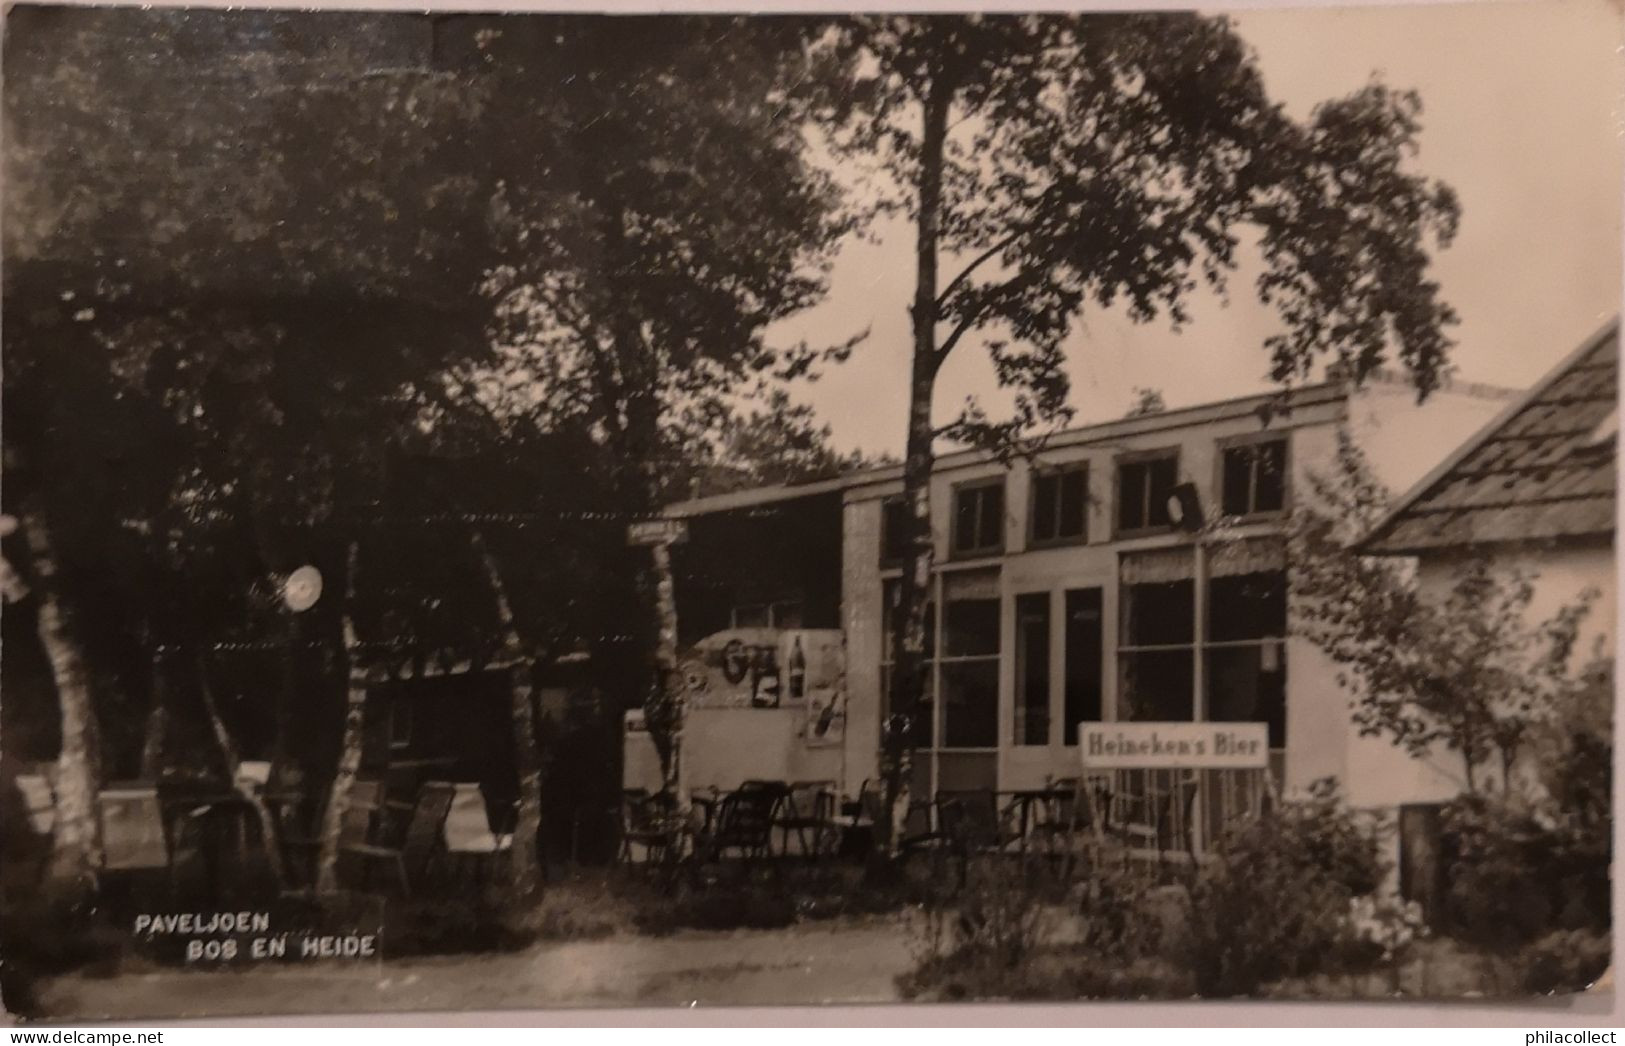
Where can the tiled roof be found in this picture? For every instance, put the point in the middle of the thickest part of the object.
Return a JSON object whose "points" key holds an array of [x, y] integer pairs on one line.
{"points": [[1542, 470]]}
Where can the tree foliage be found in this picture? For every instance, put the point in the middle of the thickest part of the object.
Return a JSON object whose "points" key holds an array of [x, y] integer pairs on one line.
{"points": [[1464, 668]]}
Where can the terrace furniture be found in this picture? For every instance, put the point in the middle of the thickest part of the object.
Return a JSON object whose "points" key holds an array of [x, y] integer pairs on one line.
{"points": [[468, 835], [421, 843], [922, 827], [807, 809], [975, 822], [743, 821], [301, 847], [650, 822]]}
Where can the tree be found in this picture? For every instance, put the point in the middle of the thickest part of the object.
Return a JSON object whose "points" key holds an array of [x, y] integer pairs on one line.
{"points": [[246, 356], [641, 271], [1054, 162], [1146, 401], [1464, 669]]}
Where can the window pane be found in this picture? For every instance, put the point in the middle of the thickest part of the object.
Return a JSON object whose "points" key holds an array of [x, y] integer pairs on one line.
{"points": [[1074, 503], [1164, 476], [970, 704], [1159, 614], [1045, 495], [1237, 479], [1270, 482], [990, 529], [965, 509], [891, 593], [1248, 685], [920, 735], [971, 627], [1032, 669], [1131, 496], [1083, 660], [1157, 685], [1247, 606], [894, 531]]}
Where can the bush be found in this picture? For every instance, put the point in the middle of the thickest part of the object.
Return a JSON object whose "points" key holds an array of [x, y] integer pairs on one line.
{"points": [[1517, 874], [457, 925], [52, 932], [1566, 961], [1274, 900]]}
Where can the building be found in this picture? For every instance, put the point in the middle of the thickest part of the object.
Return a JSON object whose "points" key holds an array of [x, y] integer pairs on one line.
{"points": [[1536, 490], [1064, 592]]}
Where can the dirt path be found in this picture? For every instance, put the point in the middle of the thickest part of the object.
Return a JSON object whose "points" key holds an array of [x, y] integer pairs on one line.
{"points": [[845, 962]]}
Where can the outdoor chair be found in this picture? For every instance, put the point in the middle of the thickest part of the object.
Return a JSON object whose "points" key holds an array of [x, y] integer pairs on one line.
{"points": [[467, 834], [921, 827], [743, 822], [301, 847], [807, 809], [423, 839], [649, 823]]}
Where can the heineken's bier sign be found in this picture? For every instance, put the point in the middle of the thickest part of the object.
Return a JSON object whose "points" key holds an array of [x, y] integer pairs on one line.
{"points": [[1155, 746]]}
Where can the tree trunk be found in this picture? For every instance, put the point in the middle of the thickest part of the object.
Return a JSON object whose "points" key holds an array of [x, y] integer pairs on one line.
{"points": [[77, 843], [526, 872], [666, 680], [908, 698], [157, 728], [349, 763], [232, 761]]}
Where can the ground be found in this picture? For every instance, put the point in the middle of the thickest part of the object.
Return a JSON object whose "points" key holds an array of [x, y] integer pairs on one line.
{"points": [[850, 961]]}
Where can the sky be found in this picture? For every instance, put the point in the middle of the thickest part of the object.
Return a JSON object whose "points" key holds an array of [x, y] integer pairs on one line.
{"points": [[1523, 115]]}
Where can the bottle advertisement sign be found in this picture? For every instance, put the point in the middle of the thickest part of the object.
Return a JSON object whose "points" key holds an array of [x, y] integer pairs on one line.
{"points": [[761, 668], [1158, 746]]}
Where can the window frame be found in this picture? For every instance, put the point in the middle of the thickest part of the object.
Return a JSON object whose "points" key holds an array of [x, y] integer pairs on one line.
{"points": [[1224, 445], [887, 504], [966, 487], [1139, 457], [1058, 471]]}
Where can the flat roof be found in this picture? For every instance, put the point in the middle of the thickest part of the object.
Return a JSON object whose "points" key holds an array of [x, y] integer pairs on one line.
{"points": [[1280, 403]]}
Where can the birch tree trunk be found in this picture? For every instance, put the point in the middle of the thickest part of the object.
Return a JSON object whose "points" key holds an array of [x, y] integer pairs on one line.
{"points": [[232, 760], [666, 672], [527, 756], [76, 854], [907, 692], [157, 728], [349, 763]]}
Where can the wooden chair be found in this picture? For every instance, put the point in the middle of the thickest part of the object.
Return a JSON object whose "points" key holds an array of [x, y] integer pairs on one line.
{"points": [[743, 822], [649, 821], [301, 847], [422, 842], [807, 809]]}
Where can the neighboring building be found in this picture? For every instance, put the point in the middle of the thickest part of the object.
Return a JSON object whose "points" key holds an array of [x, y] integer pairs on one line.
{"points": [[1536, 490], [1063, 592]]}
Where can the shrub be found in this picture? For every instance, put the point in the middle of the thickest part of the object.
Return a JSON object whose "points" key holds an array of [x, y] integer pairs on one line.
{"points": [[1519, 873], [1274, 900], [1566, 961], [457, 925], [52, 932]]}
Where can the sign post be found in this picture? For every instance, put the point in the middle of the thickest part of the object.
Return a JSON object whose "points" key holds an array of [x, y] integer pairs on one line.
{"points": [[659, 535]]}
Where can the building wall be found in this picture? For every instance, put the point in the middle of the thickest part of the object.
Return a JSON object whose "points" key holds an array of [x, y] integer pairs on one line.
{"points": [[1387, 421]]}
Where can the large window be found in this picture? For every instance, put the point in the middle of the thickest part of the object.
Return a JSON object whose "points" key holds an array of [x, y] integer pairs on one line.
{"points": [[1253, 477], [962, 650], [978, 523], [1246, 637], [1032, 669], [1240, 648], [1060, 505], [1083, 660], [1144, 482], [969, 664], [893, 531]]}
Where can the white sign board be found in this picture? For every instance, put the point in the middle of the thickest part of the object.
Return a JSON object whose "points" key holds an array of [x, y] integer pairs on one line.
{"points": [[1160, 746], [657, 532]]}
